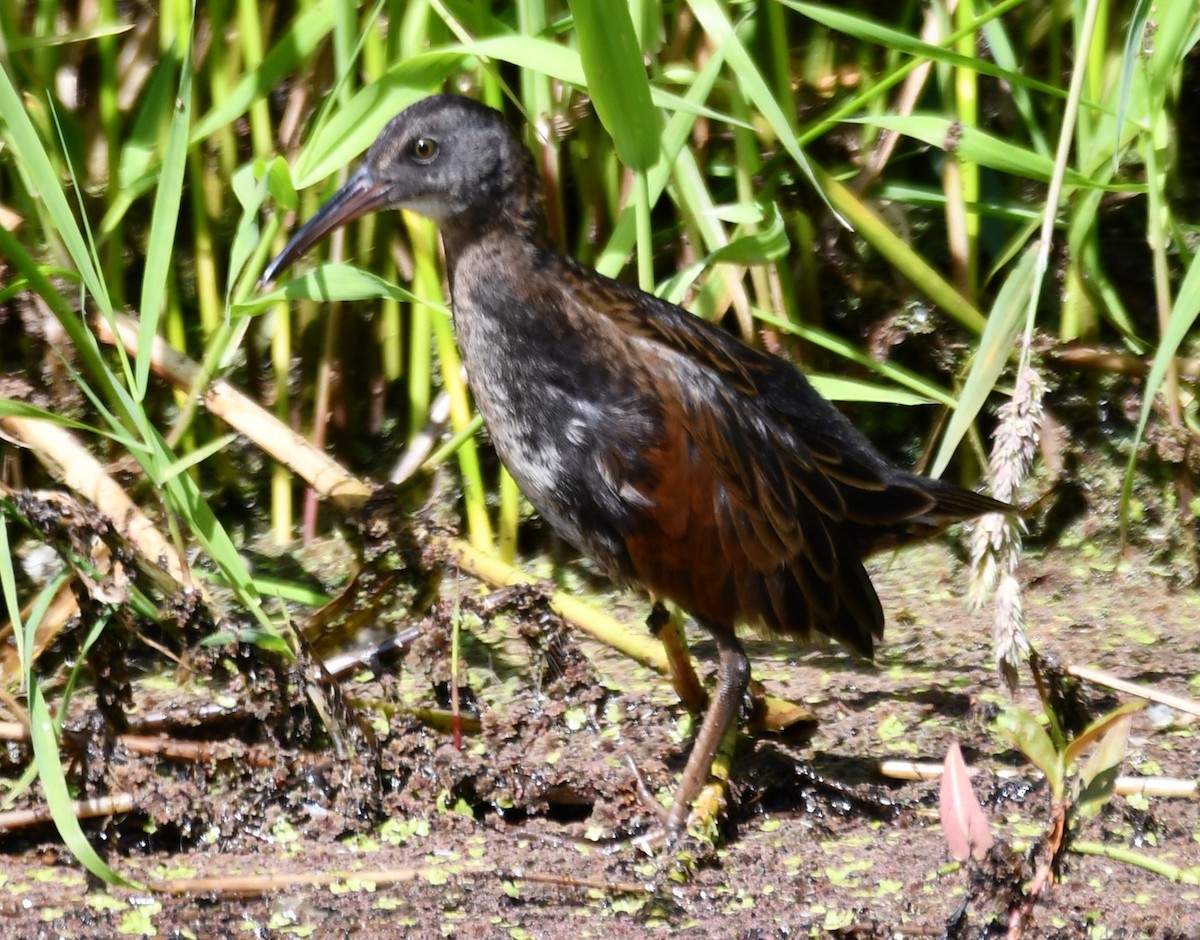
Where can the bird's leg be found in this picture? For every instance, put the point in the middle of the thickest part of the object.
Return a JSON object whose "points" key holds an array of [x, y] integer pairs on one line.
{"points": [[733, 676], [665, 625]]}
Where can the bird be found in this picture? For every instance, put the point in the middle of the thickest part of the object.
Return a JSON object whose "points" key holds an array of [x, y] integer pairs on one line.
{"points": [[669, 452]]}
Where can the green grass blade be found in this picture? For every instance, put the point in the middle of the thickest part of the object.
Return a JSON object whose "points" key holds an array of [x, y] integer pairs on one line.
{"points": [[66, 38], [674, 139], [902, 256], [920, 386], [287, 56], [867, 30], [840, 388], [1176, 29], [750, 80], [1135, 34], [352, 129], [8, 585], [251, 192], [995, 346], [136, 169], [759, 246], [530, 52], [1183, 315], [978, 146], [28, 148], [197, 456], [330, 282], [616, 80], [44, 740], [168, 197], [10, 408], [1008, 59]]}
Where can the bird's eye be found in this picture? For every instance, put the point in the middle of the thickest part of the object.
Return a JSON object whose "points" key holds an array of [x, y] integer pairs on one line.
{"points": [[424, 149]]}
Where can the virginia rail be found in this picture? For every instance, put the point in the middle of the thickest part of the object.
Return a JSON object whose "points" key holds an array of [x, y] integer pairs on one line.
{"points": [[666, 450]]}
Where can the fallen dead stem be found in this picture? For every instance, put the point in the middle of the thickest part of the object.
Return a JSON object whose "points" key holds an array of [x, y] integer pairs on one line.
{"points": [[1111, 362], [61, 453], [161, 746], [242, 886], [1178, 788], [173, 748], [324, 474], [114, 804], [68, 460], [566, 881], [1100, 677]]}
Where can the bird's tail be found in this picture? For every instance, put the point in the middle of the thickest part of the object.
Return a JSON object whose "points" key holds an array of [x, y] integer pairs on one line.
{"points": [[953, 503], [950, 504]]}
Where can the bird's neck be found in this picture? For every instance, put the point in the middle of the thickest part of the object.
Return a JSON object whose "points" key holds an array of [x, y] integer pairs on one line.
{"points": [[502, 245], [511, 209], [470, 231], [512, 219], [490, 261]]}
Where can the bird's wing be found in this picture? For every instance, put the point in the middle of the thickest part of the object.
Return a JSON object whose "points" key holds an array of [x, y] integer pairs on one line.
{"points": [[739, 523], [741, 510], [829, 452]]}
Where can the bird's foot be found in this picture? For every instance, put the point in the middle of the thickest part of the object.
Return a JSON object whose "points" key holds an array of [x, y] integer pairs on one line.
{"points": [[647, 799], [676, 825], [677, 853]]}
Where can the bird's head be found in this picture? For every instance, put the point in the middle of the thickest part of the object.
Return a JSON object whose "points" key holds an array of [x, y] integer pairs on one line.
{"points": [[446, 157]]}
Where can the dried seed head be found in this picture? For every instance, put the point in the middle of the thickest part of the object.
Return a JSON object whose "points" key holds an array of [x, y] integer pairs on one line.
{"points": [[996, 544]]}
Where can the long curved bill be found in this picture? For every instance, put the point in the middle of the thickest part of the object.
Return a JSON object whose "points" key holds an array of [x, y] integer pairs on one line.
{"points": [[361, 194]]}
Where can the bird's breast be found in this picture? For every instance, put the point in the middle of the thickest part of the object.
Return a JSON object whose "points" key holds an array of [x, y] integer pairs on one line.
{"points": [[563, 408]]}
